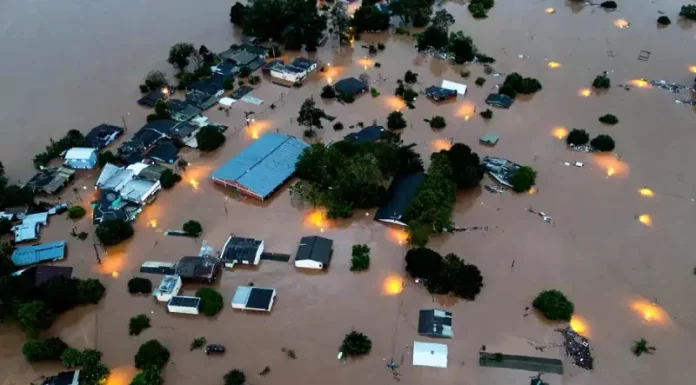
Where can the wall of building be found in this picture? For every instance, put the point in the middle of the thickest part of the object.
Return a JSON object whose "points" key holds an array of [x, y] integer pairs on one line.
{"points": [[309, 264]]}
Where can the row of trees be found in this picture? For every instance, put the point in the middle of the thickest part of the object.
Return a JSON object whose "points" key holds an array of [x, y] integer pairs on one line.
{"points": [[295, 23], [444, 275], [73, 138], [601, 143], [517, 84], [348, 175], [437, 37], [92, 370], [35, 308]]}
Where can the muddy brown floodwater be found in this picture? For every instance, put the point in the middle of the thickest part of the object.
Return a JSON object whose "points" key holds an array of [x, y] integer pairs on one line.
{"points": [[623, 257]]}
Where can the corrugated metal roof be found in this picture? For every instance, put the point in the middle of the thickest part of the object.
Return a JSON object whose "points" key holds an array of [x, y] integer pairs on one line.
{"points": [[79, 153], [29, 255], [264, 165]]}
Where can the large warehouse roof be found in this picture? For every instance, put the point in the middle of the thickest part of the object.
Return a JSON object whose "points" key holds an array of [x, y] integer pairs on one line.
{"points": [[264, 165]]}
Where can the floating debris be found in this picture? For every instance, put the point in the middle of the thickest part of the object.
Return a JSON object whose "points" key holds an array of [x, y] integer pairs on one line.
{"points": [[494, 189], [578, 347], [541, 215]]}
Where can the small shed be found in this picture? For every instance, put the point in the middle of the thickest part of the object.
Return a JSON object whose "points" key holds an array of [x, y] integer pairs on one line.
{"points": [[81, 158], [314, 253], [489, 139], [183, 304], [350, 87], [239, 250], [168, 288], [429, 354], [459, 87], [254, 298]]}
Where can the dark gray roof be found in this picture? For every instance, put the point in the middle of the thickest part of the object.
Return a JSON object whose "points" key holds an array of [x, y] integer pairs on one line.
{"points": [[205, 86], [350, 86], [240, 249], [435, 323], [181, 110], [499, 100], [109, 205], [226, 68], [401, 191], [165, 151], [149, 99], [50, 180], [268, 66], [316, 249], [260, 298], [264, 165], [42, 273], [439, 93], [197, 267], [101, 135], [63, 378], [183, 129], [184, 301], [303, 62], [201, 99], [367, 134]]}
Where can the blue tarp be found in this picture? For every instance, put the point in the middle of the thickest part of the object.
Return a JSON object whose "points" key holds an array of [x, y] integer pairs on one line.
{"points": [[29, 255], [264, 165]]}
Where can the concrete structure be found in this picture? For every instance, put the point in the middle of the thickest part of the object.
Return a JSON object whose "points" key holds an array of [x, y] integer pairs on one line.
{"points": [[183, 305], [168, 288], [435, 323], [238, 250], [350, 87], [126, 183], [367, 134], [429, 354], [261, 168], [102, 135], [401, 191], [30, 227], [253, 298], [459, 87], [489, 139], [314, 253], [29, 255], [81, 158]]}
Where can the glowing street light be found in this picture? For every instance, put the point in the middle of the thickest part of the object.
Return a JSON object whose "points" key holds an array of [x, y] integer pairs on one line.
{"points": [[550, 11], [646, 192], [585, 92], [559, 132], [554, 64], [692, 69], [645, 219], [621, 23]]}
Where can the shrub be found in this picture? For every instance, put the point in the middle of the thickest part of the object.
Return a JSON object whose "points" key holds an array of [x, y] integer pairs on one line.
{"points": [[76, 212], [609, 119], [601, 81], [348, 98], [356, 344], [151, 354], [35, 316], [641, 346], [71, 358], [577, 137], [410, 77], [465, 73], [423, 263], [137, 324], [602, 143], [291, 354], [198, 343], [402, 31], [113, 232], [192, 228], [338, 126], [49, 349], [139, 285], [437, 122], [328, 92], [374, 92], [378, 64], [209, 138], [554, 305], [372, 49], [477, 10], [82, 235], [90, 291], [381, 46], [523, 179], [480, 81], [144, 89], [105, 157], [396, 121], [235, 377], [244, 72], [94, 374], [309, 133], [688, 12], [169, 178], [664, 20], [155, 79], [211, 301], [507, 90], [228, 83], [522, 85], [486, 114], [148, 376], [90, 357], [360, 260], [608, 4], [254, 79]]}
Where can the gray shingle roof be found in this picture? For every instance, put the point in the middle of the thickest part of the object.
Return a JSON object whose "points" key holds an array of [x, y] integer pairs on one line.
{"points": [[315, 248]]}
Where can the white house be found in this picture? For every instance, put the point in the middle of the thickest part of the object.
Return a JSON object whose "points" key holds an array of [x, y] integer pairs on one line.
{"points": [[183, 304], [239, 250], [429, 354], [459, 87], [254, 298], [314, 253], [30, 227], [81, 158], [288, 73], [127, 184], [169, 288]]}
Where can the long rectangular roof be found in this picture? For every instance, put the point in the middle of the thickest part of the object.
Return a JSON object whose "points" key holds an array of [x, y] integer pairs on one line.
{"points": [[29, 255], [264, 165], [400, 193], [315, 248]]}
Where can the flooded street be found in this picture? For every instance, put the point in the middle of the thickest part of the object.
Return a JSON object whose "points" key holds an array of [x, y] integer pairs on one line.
{"points": [[623, 256]]}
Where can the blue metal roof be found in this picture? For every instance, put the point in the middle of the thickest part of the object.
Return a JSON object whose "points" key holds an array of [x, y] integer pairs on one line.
{"points": [[264, 165], [29, 255]]}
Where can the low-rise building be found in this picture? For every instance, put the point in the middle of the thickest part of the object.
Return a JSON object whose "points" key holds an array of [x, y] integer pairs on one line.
{"points": [[367, 134], [499, 100], [81, 158], [305, 64], [184, 305], [288, 73], [399, 195], [458, 87], [435, 323], [102, 135], [350, 87], [50, 180], [30, 228], [429, 354], [168, 288], [254, 298], [244, 251], [314, 253], [151, 98], [63, 378], [29, 255], [198, 269], [40, 274], [439, 94]]}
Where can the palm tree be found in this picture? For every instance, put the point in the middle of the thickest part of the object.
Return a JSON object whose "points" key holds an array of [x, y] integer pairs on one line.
{"points": [[641, 346]]}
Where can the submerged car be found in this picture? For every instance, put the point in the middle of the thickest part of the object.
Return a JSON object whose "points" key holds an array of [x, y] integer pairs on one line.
{"points": [[214, 348]]}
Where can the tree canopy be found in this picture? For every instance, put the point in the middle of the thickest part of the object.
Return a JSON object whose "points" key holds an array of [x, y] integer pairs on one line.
{"points": [[466, 167], [148, 376], [293, 22], [72, 138], [139, 285], [356, 344], [395, 120], [49, 349], [180, 55], [521, 85], [339, 20], [211, 301], [414, 12], [209, 138], [523, 179], [192, 228], [105, 157], [601, 82], [360, 258], [113, 232], [369, 18], [444, 275], [554, 305], [169, 178], [310, 115], [234, 377], [151, 354], [462, 47], [603, 143], [577, 137], [237, 13], [688, 12], [137, 324]]}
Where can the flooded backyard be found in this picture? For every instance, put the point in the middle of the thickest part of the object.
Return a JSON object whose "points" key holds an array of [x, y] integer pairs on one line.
{"points": [[619, 246]]}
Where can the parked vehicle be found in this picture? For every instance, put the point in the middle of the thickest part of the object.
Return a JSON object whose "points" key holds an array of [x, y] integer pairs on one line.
{"points": [[214, 348]]}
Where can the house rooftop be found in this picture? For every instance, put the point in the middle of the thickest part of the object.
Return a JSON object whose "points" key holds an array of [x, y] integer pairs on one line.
{"points": [[80, 153], [350, 86], [239, 249], [29, 255], [50, 180], [436, 92], [39, 274], [367, 134], [168, 285], [184, 129], [152, 172], [316, 249], [197, 267], [63, 378], [165, 151], [435, 323], [151, 98], [304, 63], [184, 301], [499, 100], [253, 298], [401, 191], [110, 205], [102, 135]]}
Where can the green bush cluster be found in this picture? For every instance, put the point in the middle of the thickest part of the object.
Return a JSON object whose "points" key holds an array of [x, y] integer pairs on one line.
{"points": [[169, 178], [444, 275], [209, 138], [73, 138], [356, 344], [360, 258], [554, 305], [192, 228], [137, 324], [523, 179], [211, 301], [76, 212], [437, 122], [114, 231]]}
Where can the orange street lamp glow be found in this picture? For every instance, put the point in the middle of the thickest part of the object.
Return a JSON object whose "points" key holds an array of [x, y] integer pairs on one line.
{"points": [[550, 11], [194, 184], [317, 218], [559, 132], [114, 274], [621, 23], [585, 92], [611, 172], [397, 235], [640, 83], [554, 64], [393, 285], [152, 223], [579, 325], [650, 312], [532, 191], [646, 192], [645, 219], [692, 69], [466, 110], [441, 144], [395, 103]]}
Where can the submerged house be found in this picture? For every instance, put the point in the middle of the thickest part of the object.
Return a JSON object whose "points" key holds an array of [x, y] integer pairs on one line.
{"points": [[151, 98], [102, 135], [439, 94], [367, 134], [401, 191], [288, 73], [81, 158], [350, 87], [198, 269], [500, 169], [109, 205], [314, 253], [40, 274], [63, 378], [182, 111], [499, 100], [29, 255], [253, 298], [123, 192], [133, 150], [305, 64], [50, 180], [262, 167], [435, 323], [239, 250], [30, 227]]}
